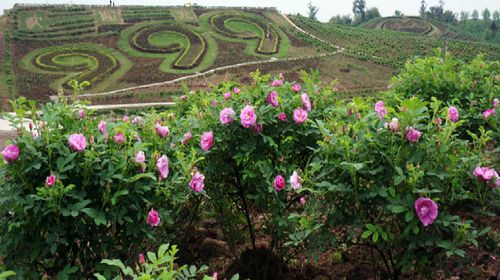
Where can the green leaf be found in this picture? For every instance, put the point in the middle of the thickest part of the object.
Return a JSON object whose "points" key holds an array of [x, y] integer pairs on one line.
{"points": [[161, 251], [409, 216], [116, 263], [99, 276], [445, 244], [151, 256], [118, 194], [7, 274], [375, 237], [370, 227], [366, 234], [396, 209], [392, 191], [459, 252]]}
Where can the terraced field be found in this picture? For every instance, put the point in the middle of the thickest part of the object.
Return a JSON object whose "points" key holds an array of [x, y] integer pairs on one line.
{"points": [[119, 47], [391, 47], [44, 48]]}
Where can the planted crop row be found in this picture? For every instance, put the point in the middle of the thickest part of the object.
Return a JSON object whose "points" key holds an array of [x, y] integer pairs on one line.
{"points": [[54, 35], [268, 38], [69, 14]]}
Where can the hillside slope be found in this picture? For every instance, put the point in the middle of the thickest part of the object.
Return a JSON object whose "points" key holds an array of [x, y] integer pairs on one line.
{"points": [[391, 47]]}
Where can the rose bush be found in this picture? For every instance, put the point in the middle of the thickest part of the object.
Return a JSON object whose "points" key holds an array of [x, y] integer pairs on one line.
{"points": [[469, 88], [312, 171], [77, 188]]}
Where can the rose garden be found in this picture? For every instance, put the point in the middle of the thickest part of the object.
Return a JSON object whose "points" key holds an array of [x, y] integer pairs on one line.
{"points": [[281, 172]]}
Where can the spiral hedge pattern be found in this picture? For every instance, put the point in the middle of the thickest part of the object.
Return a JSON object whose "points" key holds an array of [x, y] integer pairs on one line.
{"points": [[410, 25], [268, 39], [82, 62], [191, 52]]}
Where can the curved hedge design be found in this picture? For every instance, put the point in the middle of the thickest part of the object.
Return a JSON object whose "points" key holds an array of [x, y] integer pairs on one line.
{"points": [[167, 38], [410, 25], [247, 27], [83, 62]]}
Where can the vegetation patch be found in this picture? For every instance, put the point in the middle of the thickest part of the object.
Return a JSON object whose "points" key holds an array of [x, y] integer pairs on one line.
{"points": [[94, 63], [165, 40], [245, 27]]}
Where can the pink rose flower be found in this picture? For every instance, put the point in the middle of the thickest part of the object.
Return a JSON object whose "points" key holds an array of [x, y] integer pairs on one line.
{"points": [[102, 127], [257, 128], [50, 180], [81, 114], [162, 167], [214, 103], [207, 140], [306, 103], [141, 259], [438, 120], [187, 137], [140, 158], [137, 121], [214, 276], [153, 218], [303, 201], [77, 142], [10, 153], [496, 102], [248, 117], [394, 125], [279, 183], [453, 114], [412, 135], [197, 182], [427, 210], [119, 138], [125, 119], [296, 88], [272, 99], [295, 181], [488, 113], [484, 173], [162, 131], [236, 90], [227, 95], [299, 116], [380, 109], [277, 83], [282, 117], [226, 116]]}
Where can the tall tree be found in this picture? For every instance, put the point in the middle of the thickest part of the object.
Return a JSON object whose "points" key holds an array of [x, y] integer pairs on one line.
{"points": [[464, 16], [313, 10], [372, 13], [398, 13], [358, 9], [423, 7], [475, 15], [486, 15], [496, 16]]}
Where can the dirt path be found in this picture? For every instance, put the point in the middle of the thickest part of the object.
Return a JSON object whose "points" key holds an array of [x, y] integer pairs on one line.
{"points": [[311, 35]]}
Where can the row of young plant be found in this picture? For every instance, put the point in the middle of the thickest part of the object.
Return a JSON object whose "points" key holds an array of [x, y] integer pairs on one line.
{"points": [[397, 174]]}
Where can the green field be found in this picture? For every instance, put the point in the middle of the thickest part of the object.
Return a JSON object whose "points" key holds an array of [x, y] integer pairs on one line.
{"points": [[130, 46]]}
